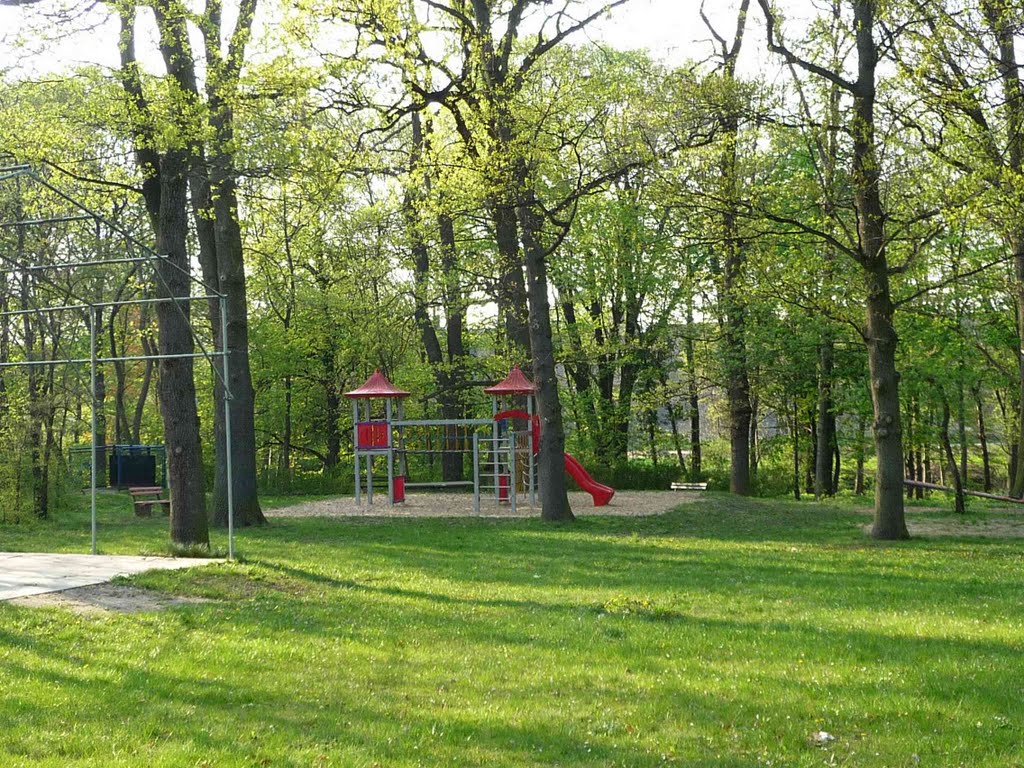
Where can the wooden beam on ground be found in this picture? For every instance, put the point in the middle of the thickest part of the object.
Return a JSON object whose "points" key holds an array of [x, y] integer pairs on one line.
{"points": [[980, 494]]}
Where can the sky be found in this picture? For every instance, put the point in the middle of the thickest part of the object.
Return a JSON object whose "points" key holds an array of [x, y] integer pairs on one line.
{"points": [[670, 29]]}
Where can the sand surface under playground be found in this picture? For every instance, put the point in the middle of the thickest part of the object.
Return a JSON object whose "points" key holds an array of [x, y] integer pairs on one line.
{"points": [[625, 503]]}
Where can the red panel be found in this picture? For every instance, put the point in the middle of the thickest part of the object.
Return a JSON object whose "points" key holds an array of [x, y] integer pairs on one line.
{"points": [[399, 490], [503, 481], [372, 434]]}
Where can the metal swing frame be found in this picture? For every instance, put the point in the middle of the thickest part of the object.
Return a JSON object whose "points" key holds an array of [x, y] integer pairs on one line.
{"points": [[138, 253]]}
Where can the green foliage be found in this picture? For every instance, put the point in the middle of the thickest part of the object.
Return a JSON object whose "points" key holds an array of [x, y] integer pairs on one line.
{"points": [[636, 475]]}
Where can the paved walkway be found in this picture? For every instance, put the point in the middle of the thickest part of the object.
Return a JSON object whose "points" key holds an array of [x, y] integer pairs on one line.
{"points": [[32, 573]]}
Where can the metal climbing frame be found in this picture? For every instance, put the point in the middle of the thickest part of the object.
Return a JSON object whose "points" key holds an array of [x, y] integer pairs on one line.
{"points": [[141, 256]]}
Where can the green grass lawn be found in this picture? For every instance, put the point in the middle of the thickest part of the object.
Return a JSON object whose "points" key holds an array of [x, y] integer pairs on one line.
{"points": [[723, 634]]}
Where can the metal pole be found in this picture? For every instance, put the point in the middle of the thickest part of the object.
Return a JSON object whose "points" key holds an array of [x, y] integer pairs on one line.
{"points": [[355, 444], [227, 426], [95, 447], [494, 447], [369, 463], [391, 454], [531, 448], [512, 469], [476, 473]]}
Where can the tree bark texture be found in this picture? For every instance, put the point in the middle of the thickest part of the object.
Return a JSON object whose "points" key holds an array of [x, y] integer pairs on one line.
{"points": [[551, 456]]}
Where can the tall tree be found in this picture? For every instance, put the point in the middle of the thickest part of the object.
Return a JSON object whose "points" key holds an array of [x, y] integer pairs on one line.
{"points": [[731, 288], [165, 190], [869, 252]]}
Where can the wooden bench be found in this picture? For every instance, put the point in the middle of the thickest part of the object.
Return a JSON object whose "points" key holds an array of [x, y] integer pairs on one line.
{"points": [[144, 498], [689, 486]]}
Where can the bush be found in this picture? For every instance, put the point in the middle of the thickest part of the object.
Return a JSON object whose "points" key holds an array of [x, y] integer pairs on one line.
{"points": [[335, 482], [635, 475]]}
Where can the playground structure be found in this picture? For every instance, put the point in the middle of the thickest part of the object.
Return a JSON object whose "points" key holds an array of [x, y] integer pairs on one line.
{"points": [[502, 449]]}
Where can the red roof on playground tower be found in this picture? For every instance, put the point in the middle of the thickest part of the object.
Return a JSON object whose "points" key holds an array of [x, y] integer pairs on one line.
{"points": [[515, 383], [377, 386]]}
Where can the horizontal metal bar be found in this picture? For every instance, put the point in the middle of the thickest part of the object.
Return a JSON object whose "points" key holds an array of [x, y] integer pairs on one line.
{"points": [[92, 263], [126, 359], [442, 422], [133, 358], [120, 303], [14, 171], [444, 484], [49, 220], [419, 451], [121, 231]]}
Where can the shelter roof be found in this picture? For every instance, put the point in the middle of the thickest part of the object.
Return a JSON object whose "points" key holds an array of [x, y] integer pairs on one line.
{"points": [[377, 386], [515, 383]]}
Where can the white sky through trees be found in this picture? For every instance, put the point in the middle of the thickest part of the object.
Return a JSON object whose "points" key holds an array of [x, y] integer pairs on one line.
{"points": [[671, 30]]}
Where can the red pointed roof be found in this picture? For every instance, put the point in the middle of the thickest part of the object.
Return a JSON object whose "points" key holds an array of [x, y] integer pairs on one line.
{"points": [[515, 383], [377, 386]]}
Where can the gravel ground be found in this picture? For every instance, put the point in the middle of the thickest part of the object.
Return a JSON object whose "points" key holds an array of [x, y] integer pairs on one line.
{"points": [[981, 529], [625, 503], [105, 598]]}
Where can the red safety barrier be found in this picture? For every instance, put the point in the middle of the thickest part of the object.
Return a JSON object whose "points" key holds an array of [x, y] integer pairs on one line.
{"points": [[372, 434], [534, 423]]}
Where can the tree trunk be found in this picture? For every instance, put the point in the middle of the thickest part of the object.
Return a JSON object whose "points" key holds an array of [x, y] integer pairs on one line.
{"points": [[838, 467], [677, 442], [826, 421], [693, 397], [511, 286], [1002, 17], [147, 376], [176, 384], [735, 354], [879, 332], [732, 301], [122, 429], [1017, 468], [961, 427], [812, 450], [983, 439], [231, 282], [284, 458], [947, 447], [913, 435], [795, 429], [858, 480], [889, 520], [551, 457]]}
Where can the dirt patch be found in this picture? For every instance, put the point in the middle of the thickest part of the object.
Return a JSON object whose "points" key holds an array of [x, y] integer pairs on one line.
{"points": [[999, 528], [991, 528], [625, 503], [106, 598]]}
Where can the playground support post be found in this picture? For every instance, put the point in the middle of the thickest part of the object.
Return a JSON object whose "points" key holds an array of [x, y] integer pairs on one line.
{"points": [[369, 466], [512, 469], [227, 425], [531, 451], [391, 455], [476, 473], [355, 449], [95, 447], [494, 447]]}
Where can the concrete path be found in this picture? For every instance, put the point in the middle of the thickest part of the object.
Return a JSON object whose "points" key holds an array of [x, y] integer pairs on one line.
{"points": [[32, 573]]}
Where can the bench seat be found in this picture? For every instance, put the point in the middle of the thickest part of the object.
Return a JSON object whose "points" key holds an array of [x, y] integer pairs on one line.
{"points": [[689, 486]]}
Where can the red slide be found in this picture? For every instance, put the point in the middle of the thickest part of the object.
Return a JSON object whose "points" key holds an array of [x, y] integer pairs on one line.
{"points": [[602, 493]]}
